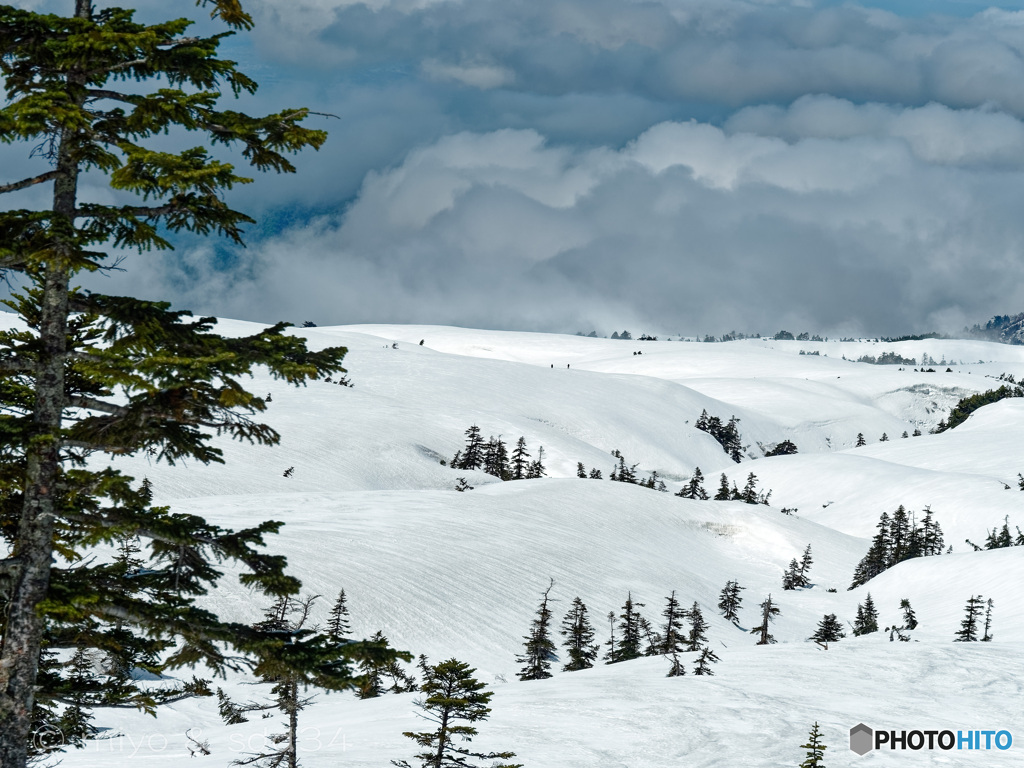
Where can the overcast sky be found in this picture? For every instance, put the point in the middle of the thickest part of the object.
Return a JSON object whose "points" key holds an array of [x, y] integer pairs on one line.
{"points": [[668, 166]]}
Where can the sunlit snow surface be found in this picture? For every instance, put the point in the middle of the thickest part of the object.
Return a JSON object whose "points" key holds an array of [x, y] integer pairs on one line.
{"points": [[370, 508]]}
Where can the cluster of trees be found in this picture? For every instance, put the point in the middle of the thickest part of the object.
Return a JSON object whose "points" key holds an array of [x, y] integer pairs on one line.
{"points": [[631, 636], [968, 632], [998, 538], [899, 538], [787, 336], [795, 576], [727, 434], [493, 457], [888, 358], [968, 405]]}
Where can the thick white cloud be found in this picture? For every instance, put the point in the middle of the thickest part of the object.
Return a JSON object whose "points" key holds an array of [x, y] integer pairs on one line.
{"points": [[782, 218]]}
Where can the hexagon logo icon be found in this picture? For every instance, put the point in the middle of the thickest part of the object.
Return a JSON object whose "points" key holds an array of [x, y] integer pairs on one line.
{"points": [[861, 739]]}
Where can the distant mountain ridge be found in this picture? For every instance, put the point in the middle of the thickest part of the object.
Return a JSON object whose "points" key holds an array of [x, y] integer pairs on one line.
{"points": [[1007, 329]]}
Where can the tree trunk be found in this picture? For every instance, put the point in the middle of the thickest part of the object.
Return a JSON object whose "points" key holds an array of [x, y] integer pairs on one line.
{"points": [[19, 654]]}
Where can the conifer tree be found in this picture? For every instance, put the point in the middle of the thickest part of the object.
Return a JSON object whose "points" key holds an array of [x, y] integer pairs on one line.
{"points": [[729, 601], [694, 488], [595, 474], [473, 454], [968, 632], [706, 658], [815, 749], [806, 561], [860, 440], [83, 688], [768, 613], [610, 655], [537, 468], [905, 434], [749, 493], [581, 471], [877, 558], [916, 433], [791, 576], [987, 636], [723, 489], [884, 438], [909, 617], [672, 634], [698, 627], [829, 630], [631, 637], [579, 638], [230, 713], [92, 374], [539, 648], [453, 700], [867, 618], [338, 628]]}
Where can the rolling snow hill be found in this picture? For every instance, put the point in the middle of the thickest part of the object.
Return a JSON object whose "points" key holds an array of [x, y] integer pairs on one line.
{"points": [[370, 507]]}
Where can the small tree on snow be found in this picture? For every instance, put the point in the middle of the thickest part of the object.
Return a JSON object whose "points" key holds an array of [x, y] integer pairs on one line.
{"points": [[815, 749], [579, 638], [452, 697], [909, 617], [539, 648], [768, 613], [866, 621], [337, 622], [698, 628], [968, 632], [988, 621], [829, 630], [729, 601], [704, 661]]}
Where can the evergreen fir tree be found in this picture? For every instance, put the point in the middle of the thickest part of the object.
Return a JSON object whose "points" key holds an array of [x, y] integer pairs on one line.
{"points": [[806, 561], [768, 613], [537, 468], [815, 750], [372, 672], [829, 630], [867, 618], [83, 688], [581, 471], [899, 537], [539, 648], [916, 433], [230, 713], [610, 655], [723, 490], [338, 628], [791, 577], [909, 618], [729, 601], [968, 632], [473, 454], [905, 434], [698, 627], [884, 438], [694, 489], [630, 644], [860, 440], [595, 474], [453, 699], [987, 636], [932, 542], [704, 661], [672, 634], [579, 638], [88, 374], [877, 558]]}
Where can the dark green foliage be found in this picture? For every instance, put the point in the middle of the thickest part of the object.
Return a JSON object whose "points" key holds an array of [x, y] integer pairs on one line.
{"points": [[899, 538], [453, 699], [829, 630], [791, 578], [968, 405], [496, 459], [768, 613], [987, 636], [815, 749], [729, 601], [860, 440], [672, 636], [537, 468], [579, 638], [909, 617], [621, 472], [968, 632], [706, 658], [631, 634], [698, 628], [785, 448], [595, 474], [867, 618], [581, 471], [338, 628], [472, 456], [727, 435], [94, 374], [230, 713], [694, 488], [383, 675], [539, 648], [723, 489]]}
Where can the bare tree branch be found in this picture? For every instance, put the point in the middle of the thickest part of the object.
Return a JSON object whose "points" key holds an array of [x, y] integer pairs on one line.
{"points": [[40, 179]]}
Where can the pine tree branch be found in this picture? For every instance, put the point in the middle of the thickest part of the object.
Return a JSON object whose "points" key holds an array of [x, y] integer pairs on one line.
{"points": [[93, 73], [92, 404], [15, 365], [25, 183]]}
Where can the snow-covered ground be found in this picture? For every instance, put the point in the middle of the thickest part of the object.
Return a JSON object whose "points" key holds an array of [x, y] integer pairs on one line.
{"points": [[370, 507]]}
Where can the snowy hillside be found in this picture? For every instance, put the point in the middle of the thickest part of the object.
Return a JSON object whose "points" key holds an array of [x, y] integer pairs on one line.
{"points": [[370, 507]]}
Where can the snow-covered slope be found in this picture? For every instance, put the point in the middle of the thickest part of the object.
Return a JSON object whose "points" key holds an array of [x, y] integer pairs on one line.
{"points": [[370, 507]]}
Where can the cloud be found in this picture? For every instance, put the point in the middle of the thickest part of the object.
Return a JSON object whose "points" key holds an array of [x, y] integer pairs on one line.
{"points": [[780, 218]]}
